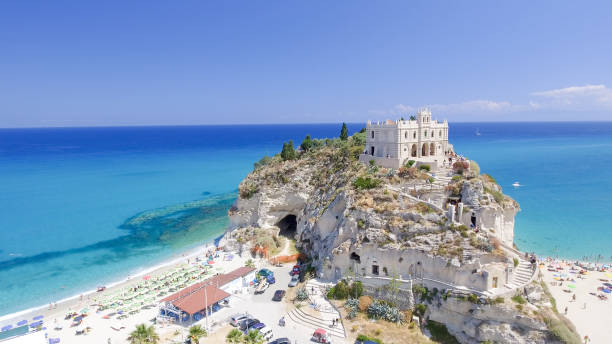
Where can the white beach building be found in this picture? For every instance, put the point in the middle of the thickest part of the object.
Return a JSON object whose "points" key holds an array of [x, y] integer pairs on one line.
{"points": [[392, 143]]}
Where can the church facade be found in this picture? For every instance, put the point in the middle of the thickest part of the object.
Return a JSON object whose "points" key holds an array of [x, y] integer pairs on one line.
{"points": [[393, 143]]}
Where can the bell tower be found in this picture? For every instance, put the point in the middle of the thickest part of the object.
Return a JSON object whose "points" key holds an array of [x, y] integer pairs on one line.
{"points": [[423, 116]]}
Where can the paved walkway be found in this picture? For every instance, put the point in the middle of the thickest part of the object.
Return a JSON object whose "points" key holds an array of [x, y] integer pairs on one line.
{"points": [[319, 313]]}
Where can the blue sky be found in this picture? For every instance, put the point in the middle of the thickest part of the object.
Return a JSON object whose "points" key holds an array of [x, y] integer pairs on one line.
{"points": [[81, 63]]}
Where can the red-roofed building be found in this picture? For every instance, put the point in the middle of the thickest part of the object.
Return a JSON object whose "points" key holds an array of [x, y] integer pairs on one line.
{"points": [[200, 296]]}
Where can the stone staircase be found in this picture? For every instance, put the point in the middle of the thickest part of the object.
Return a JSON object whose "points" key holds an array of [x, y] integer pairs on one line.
{"points": [[522, 274], [319, 313], [313, 322]]}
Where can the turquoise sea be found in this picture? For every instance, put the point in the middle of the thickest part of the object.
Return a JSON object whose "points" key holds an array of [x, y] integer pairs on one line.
{"points": [[82, 207]]}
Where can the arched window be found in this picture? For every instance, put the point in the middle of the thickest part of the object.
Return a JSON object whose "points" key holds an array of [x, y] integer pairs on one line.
{"points": [[414, 135], [440, 133], [372, 133], [405, 134], [425, 133]]}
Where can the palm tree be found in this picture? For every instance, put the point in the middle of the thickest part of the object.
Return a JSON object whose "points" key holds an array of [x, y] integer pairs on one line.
{"points": [[234, 336], [196, 332], [143, 334], [253, 337]]}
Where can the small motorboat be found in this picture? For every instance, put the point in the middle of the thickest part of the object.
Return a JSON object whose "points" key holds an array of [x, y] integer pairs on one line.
{"points": [[516, 184], [101, 288]]}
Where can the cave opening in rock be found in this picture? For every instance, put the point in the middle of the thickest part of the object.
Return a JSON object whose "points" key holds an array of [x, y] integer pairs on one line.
{"points": [[288, 226], [355, 257]]}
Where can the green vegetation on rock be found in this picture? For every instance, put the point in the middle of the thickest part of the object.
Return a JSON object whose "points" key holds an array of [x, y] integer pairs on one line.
{"points": [[366, 183], [440, 334]]}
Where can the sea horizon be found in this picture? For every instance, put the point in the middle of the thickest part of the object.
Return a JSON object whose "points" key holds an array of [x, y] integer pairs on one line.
{"points": [[88, 206], [280, 124]]}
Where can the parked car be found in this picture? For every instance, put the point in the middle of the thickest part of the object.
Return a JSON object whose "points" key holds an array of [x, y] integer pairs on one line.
{"points": [[237, 319], [265, 272], [270, 279], [320, 336], [280, 341], [262, 286], [294, 281], [266, 333], [257, 326], [278, 295], [245, 325], [295, 270]]}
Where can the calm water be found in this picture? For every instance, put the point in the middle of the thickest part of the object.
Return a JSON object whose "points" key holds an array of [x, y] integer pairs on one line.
{"points": [[86, 206]]}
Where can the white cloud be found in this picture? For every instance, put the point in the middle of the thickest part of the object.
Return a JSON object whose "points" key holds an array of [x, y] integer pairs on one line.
{"points": [[574, 98], [589, 97], [488, 106]]}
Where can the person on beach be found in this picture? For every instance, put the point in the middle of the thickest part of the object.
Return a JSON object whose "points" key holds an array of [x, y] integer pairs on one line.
{"points": [[565, 310], [574, 298]]}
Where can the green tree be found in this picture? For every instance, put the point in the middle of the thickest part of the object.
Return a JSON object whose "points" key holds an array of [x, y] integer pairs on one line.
{"points": [[356, 289], [288, 152], [249, 263], [196, 332], [235, 336], [344, 132], [307, 144], [253, 337], [413, 118], [143, 334]]}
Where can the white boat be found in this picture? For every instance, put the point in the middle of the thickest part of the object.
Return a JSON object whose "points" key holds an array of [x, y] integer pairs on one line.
{"points": [[516, 184], [477, 132]]}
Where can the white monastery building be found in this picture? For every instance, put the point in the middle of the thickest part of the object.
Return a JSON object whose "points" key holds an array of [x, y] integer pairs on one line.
{"points": [[393, 143]]}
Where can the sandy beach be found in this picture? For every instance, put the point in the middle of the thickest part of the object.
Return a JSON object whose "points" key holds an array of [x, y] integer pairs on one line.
{"points": [[116, 329], [590, 314]]}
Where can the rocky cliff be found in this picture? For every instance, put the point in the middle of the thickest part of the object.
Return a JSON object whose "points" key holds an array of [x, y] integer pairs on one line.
{"points": [[448, 229]]}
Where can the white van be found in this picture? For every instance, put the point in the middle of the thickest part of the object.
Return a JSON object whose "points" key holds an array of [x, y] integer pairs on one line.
{"points": [[266, 332]]}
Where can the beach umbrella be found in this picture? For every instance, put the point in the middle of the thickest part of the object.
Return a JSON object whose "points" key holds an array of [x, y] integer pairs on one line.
{"points": [[36, 324], [84, 311], [571, 286], [38, 317], [7, 327], [22, 322]]}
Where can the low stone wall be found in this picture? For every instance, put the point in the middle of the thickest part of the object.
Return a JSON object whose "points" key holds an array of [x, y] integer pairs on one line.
{"points": [[380, 161], [401, 295]]}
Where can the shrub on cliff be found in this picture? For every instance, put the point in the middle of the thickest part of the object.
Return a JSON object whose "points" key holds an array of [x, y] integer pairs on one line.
{"points": [[356, 289], [439, 333], [307, 144], [288, 152], [262, 162], [425, 167], [364, 303], [247, 191], [382, 310], [339, 292], [366, 183], [364, 338]]}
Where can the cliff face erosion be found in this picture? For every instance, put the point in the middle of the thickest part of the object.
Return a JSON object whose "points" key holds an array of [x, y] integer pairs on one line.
{"points": [[448, 230]]}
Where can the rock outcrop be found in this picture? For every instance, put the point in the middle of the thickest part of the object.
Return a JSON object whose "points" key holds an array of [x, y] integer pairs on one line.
{"points": [[445, 230]]}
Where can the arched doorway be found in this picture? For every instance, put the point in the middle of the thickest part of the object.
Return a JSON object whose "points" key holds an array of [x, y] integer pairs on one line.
{"points": [[432, 149], [425, 149], [414, 150]]}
